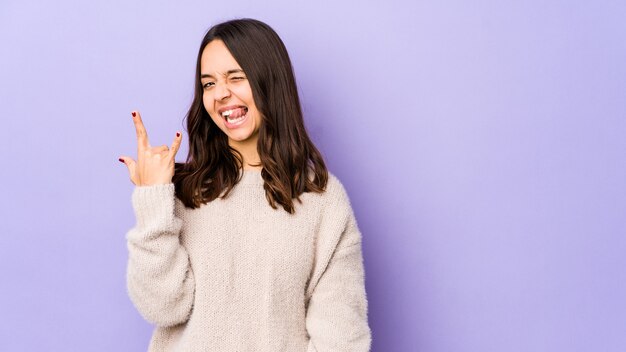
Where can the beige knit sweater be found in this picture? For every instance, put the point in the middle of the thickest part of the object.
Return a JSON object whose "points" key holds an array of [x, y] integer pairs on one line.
{"points": [[237, 275]]}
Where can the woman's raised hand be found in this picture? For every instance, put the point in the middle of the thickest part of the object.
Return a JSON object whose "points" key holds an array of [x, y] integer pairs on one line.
{"points": [[155, 165]]}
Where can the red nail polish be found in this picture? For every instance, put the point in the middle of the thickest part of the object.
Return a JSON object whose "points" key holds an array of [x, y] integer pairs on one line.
{"points": [[134, 114], [177, 134], [121, 160]]}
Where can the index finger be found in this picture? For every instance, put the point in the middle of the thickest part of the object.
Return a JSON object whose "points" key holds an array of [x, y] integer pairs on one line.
{"points": [[176, 144], [142, 134]]}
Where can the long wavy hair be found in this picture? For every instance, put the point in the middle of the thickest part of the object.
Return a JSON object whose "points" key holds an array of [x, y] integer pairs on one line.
{"points": [[291, 164]]}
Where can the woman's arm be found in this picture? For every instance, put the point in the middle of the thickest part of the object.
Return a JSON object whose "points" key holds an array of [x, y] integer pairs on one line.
{"points": [[336, 317], [159, 277]]}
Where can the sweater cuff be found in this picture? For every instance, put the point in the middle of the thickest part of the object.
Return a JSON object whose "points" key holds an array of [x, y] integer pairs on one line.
{"points": [[154, 205]]}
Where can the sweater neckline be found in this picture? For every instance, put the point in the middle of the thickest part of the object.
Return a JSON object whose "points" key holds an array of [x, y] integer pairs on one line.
{"points": [[252, 177]]}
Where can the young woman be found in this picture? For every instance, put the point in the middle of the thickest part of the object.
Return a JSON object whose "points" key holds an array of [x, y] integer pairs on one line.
{"points": [[251, 245]]}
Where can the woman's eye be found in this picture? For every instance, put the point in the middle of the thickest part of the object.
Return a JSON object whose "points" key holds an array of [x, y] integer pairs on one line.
{"points": [[237, 78], [207, 85]]}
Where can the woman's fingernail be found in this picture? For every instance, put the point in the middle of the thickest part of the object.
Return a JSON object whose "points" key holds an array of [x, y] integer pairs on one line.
{"points": [[134, 114], [177, 134], [121, 160]]}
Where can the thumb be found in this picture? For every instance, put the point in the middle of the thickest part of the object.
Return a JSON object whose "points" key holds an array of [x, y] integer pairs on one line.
{"points": [[131, 165]]}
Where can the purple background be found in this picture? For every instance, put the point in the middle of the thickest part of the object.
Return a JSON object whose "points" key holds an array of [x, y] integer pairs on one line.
{"points": [[482, 145]]}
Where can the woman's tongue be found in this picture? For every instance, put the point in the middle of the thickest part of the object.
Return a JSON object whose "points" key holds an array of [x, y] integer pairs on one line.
{"points": [[237, 113]]}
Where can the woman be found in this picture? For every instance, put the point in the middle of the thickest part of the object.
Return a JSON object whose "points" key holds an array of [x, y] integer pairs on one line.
{"points": [[222, 257]]}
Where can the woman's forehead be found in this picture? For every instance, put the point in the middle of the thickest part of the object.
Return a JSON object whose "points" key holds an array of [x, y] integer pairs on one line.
{"points": [[217, 59]]}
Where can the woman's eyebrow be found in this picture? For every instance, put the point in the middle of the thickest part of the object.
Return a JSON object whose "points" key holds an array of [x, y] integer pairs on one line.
{"points": [[235, 70]]}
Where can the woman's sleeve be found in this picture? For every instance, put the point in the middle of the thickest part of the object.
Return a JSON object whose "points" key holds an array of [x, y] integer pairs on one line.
{"points": [[159, 277], [336, 317]]}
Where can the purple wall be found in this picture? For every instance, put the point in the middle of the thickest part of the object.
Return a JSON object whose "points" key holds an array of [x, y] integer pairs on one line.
{"points": [[483, 147]]}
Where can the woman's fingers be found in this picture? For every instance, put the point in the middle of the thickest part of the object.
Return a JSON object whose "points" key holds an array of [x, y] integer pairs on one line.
{"points": [[159, 149], [154, 164], [131, 165], [176, 144], [142, 134]]}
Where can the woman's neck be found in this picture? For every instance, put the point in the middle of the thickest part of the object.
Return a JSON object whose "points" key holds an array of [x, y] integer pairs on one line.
{"points": [[249, 152]]}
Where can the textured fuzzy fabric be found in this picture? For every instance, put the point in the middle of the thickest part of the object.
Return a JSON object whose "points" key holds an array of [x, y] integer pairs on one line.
{"points": [[237, 275]]}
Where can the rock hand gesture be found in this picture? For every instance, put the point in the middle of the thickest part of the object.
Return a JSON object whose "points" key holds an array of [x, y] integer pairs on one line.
{"points": [[155, 165]]}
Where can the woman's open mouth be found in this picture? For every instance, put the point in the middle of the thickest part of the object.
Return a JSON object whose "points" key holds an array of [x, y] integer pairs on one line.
{"points": [[235, 117]]}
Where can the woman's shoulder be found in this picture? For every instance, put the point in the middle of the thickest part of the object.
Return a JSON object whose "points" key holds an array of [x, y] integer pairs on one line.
{"points": [[336, 194], [336, 211], [334, 185]]}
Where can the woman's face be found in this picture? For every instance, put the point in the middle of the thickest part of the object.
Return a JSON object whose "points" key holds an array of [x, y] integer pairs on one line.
{"points": [[227, 95]]}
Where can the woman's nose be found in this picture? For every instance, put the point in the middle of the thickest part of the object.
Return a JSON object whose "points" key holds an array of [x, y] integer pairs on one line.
{"points": [[221, 91]]}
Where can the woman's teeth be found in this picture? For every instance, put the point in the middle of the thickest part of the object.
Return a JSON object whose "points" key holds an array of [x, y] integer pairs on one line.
{"points": [[234, 116], [234, 121]]}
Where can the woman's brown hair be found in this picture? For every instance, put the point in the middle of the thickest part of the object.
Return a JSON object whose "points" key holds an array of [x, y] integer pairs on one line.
{"points": [[291, 163]]}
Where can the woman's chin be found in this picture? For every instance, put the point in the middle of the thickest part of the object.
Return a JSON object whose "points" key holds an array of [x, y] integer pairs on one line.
{"points": [[241, 137]]}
